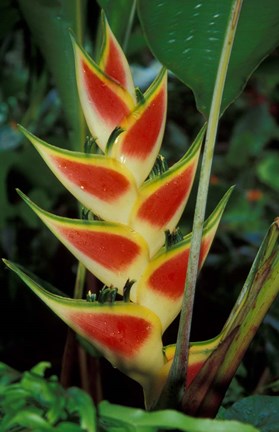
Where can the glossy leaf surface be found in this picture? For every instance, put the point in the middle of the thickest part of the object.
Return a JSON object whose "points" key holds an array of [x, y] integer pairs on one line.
{"points": [[261, 411], [120, 417], [187, 37]]}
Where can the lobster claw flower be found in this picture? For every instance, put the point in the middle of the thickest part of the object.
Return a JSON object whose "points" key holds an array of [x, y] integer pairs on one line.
{"points": [[127, 334], [125, 248], [101, 184], [113, 252]]}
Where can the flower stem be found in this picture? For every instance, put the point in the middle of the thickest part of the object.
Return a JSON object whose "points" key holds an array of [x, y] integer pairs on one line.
{"points": [[129, 26], [177, 377]]}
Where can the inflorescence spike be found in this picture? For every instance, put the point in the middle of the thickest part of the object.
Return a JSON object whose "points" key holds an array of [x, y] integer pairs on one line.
{"points": [[127, 289], [107, 294], [159, 167], [173, 237]]}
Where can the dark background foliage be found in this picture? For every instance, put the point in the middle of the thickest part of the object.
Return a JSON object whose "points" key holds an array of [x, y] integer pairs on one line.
{"points": [[246, 155]]}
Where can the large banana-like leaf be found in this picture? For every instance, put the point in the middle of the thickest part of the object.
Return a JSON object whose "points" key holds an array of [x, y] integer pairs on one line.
{"points": [[187, 37]]}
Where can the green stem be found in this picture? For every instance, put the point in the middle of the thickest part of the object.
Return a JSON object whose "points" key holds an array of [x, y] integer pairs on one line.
{"points": [[129, 26], [80, 280], [178, 372]]}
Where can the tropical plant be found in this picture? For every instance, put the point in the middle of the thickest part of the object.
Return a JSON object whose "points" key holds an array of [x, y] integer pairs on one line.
{"points": [[127, 234]]}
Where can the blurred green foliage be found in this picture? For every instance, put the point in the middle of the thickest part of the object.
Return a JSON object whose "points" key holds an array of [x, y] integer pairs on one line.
{"points": [[30, 401]]}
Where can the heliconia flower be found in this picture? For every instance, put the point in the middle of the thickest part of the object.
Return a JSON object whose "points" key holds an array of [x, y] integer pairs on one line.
{"points": [[100, 183], [126, 246], [113, 252], [127, 334]]}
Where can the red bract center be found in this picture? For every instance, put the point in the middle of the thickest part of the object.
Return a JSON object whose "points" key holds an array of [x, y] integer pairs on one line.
{"points": [[122, 334], [104, 183], [109, 105], [110, 250], [162, 205], [169, 279], [114, 67], [146, 130]]}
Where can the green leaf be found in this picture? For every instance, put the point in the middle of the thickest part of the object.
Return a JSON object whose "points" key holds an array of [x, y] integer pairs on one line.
{"points": [[207, 390], [260, 411], [7, 375], [267, 170], [31, 419], [187, 37], [133, 419], [250, 134], [69, 427], [81, 403], [9, 16], [40, 368], [49, 22], [39, 404]]}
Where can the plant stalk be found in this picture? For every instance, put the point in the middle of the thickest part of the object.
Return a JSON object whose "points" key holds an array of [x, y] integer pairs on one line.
{"points": [[178, 373], [129, 26]]}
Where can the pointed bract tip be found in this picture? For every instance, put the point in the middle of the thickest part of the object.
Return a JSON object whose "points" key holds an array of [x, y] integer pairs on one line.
{"points": [[23, 130]]}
